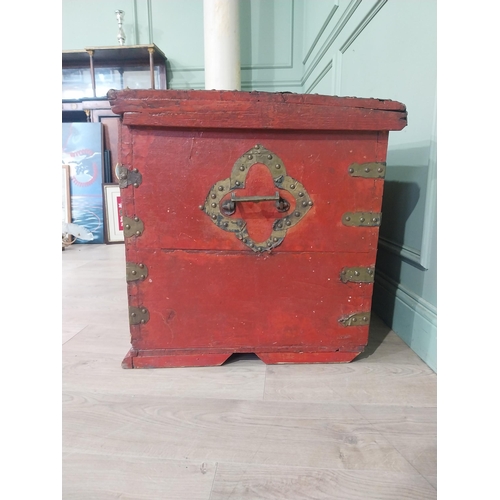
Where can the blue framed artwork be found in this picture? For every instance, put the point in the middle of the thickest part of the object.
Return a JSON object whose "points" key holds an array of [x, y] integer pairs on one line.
{"points": [[82, 146]]}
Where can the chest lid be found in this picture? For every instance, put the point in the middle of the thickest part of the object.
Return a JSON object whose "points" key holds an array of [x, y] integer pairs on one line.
{"points": [[249, 110]]}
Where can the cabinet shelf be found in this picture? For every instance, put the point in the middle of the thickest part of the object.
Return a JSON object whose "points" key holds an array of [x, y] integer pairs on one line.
{"points": [[92, 71]]}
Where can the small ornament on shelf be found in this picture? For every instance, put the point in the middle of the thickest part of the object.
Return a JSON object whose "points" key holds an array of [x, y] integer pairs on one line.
{"points": [[121, 34]]}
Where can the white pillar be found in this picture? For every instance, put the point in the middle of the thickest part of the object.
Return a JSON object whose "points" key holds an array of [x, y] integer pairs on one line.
{"points": [[222, 44]]}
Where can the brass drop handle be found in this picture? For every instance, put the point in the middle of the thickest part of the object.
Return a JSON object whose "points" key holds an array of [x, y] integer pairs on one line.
{"points": [[229, 206]]}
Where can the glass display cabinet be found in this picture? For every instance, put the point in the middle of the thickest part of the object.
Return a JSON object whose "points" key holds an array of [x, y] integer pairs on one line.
{"points": [[89, 73]]}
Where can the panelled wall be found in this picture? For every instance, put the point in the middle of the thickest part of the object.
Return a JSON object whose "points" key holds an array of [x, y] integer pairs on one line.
{"points": [[270, 31], [363, 48], [387, 49]]}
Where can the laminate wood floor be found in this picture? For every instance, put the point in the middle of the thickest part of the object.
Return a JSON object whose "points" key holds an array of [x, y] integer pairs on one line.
{"points": [[241, 431]]}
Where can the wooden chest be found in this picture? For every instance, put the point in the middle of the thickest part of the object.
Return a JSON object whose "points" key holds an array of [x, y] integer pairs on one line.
{"points": [[251, 223]]}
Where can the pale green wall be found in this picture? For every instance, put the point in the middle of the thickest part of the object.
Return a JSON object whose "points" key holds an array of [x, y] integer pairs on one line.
{"points": [[387, 49], [270, 37], [364, 48]]}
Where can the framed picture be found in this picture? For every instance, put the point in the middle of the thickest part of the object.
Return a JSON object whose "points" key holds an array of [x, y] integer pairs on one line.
{"points": [[113, 218], [66, 196], [82, 145]]}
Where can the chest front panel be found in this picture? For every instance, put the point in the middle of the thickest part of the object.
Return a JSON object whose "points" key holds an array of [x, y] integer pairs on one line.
{"points": [[250, 240]]}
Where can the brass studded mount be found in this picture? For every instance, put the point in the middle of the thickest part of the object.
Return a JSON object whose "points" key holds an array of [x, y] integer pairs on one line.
{"points": [[239, 172], [358, 274], [138, 315], [356, 319], [132, 226], [372, 170], [136, 271], [362, 219], [127, 177]]}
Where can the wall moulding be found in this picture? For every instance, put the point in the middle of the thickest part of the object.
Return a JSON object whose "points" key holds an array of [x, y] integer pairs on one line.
{"points": [[422, 257], [320, 32], [336, 30], [412, 300], [362, 25], [320, 77], [411, 255]]}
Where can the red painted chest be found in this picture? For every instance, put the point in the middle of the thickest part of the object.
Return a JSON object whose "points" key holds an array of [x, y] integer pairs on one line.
{"points": [[251, 223]]}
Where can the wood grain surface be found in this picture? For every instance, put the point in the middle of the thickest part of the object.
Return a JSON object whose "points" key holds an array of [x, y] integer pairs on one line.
{"points": [[228, 109], [244, 430], [257, 279]]}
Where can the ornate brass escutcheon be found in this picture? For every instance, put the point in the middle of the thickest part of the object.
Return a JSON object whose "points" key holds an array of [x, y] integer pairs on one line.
{"points": [[220, 213]]}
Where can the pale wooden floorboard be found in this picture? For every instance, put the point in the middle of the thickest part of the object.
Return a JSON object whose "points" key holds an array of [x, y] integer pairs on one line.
{"points": [[353, 383], [102, 373], [245, 482], [244, 430], [235, 430], [103, 477]]}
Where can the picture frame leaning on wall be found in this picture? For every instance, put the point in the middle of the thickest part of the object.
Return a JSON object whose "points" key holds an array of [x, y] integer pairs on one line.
{"points": [[113, 218]]}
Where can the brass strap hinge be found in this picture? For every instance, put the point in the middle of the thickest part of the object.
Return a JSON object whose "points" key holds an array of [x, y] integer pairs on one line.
{"points": [[362, 219], [356, 319], [373, 170], [127, 177], [138, 315], [358, 274], [136, 272], [132, 226]]}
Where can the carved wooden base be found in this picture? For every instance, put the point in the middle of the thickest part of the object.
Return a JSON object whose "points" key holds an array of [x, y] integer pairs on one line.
{"points": [[172, 359], [274, 358], [141, 359]]}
